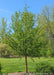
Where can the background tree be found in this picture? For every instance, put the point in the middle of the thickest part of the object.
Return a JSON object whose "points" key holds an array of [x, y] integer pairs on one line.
{"points": [[5, 50], [3, 29], [45, 21]]}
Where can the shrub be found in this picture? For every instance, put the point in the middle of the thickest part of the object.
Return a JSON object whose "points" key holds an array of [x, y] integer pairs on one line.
{"points": [[44, 67], [5, 50], [0, 67]]}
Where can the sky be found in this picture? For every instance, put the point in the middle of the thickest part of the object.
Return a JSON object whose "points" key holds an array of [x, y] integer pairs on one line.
{"points": [[8, 7]]}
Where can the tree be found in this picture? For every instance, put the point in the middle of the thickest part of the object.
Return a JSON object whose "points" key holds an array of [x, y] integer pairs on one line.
{"points": [[5, 50], [46, 20], [3, 30], [41, 32], [21, 38], [24, 38]]}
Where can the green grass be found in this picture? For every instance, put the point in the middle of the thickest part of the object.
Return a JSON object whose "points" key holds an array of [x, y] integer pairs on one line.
{"points": [[12, 65]]}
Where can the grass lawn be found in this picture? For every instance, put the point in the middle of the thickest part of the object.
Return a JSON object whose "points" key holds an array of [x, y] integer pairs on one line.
{"points": [[12, 65]]}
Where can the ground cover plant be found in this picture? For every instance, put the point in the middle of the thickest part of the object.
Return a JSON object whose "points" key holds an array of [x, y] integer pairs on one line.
{"points": [[44, 67], [11, 65]]}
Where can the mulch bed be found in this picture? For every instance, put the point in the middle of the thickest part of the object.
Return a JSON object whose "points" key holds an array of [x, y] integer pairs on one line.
{"points": [[20, 73]]}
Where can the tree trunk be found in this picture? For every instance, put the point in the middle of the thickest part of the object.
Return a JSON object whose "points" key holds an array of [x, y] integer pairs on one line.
{"points": [[26, 69]]}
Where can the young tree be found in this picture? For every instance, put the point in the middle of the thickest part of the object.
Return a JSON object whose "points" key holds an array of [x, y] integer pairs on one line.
{"points": [[22, 35]]}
